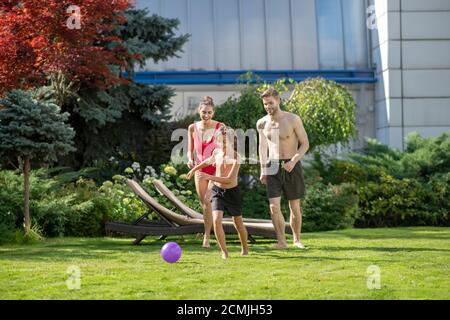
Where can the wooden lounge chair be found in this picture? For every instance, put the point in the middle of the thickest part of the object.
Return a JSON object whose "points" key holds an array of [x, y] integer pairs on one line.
{"points": [[170, 224], [162, 188], [173, 223]]}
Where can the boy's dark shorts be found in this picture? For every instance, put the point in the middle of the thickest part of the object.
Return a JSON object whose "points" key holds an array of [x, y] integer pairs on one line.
{"points": [[290, 184], [227, 200]]}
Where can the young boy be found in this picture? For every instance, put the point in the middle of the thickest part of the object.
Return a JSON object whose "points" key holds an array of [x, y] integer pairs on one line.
{"points": [[226, 194]]}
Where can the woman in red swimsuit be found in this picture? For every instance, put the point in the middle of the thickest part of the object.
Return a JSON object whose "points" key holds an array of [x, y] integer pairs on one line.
{"points": [[201, 144]]}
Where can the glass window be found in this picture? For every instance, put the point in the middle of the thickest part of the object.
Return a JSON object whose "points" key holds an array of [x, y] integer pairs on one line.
{"points": [[227, 40], [304, 31], [253, 34], [355, 34], [266, 34], [330, 34], [202, 34], [178, 9], [279, 41]]}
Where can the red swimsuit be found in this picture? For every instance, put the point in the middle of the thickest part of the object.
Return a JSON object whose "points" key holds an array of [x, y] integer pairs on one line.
{"points": [[204, 150]]}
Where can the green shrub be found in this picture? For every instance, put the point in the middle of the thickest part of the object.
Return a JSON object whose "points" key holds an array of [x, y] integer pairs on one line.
{"points": [[255, 202], [11, 199], [7, 234], [422, 158], [337, 171], [119, 202], [34, 235], [62, 209], [327, 109], [397, 202], [325, 207], [328, 207], [438, 198], [241, 112]]}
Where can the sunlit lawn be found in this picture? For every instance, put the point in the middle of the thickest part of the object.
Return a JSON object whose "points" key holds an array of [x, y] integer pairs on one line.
{"points": [[414, 264]]}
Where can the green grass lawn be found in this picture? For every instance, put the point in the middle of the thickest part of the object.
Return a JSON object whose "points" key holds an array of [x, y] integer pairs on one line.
{"points": [[414, 264]]}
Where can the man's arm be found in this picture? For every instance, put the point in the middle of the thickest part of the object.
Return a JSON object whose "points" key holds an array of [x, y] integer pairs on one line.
{"points": [[262, 148], [302, 138]]}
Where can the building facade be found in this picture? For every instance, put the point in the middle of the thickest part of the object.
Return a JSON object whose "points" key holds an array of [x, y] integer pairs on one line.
{"points": [[411, 52], [349, 41]]}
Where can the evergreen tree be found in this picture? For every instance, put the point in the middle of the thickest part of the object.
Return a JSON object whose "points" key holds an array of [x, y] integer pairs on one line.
{"points": [[32, 129]]}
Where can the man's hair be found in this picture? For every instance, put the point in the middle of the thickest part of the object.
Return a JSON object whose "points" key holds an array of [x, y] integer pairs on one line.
{"points": [[271, 92]]}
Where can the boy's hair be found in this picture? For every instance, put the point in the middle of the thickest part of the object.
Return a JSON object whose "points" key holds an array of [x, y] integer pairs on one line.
{"points": [[271, 92], [230, 135]]}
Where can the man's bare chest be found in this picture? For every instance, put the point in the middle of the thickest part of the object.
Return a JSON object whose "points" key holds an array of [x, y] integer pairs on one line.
{"points": [[278, 131]]}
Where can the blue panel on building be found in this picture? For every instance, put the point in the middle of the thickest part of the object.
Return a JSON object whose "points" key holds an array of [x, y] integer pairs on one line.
{"points": [[232, 77]]}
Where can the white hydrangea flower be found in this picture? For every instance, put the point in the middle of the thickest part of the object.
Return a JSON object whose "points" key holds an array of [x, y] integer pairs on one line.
{"points": [[136, 166], [150, 170]]}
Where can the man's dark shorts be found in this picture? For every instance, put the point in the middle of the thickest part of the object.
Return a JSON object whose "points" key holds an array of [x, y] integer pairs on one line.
{"points": [[290, 184], [227, 200]]}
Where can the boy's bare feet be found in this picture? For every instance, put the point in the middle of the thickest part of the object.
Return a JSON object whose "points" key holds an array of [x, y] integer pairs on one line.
{"points": [[206, 243], [299, 245]]}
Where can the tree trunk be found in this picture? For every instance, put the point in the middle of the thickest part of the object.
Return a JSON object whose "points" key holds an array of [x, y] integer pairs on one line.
{"points": [[26, 194]]}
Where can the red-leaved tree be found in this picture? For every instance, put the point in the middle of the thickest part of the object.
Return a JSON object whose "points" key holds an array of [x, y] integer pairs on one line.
{"points": [[39, 38]]}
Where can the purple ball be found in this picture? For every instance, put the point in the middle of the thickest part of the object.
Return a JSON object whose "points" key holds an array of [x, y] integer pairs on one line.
{"points": [[171, 252]]}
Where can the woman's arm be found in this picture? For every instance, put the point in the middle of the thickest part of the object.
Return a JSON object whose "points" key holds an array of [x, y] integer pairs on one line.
{"points": [[190, 151]]}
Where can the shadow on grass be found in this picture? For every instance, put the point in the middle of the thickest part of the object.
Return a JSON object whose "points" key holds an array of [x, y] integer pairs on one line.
{"points": [[384, 249], [95, 248], [425, 233], [62, 249], [310, 258]]}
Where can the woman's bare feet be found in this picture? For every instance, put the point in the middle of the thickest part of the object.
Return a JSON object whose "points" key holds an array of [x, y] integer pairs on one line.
{"points": [[224, 255], [244, 252]]}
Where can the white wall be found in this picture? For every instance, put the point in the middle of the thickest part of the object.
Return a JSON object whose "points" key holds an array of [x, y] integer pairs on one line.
{"points": [[411, 48]]}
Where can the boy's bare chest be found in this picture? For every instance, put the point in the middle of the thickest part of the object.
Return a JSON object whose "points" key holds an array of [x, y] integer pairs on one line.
{"points": [[223, 166]]}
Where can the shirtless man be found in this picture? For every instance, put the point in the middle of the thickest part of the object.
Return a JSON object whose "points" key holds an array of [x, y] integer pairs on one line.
{"points": [[280, 132]]}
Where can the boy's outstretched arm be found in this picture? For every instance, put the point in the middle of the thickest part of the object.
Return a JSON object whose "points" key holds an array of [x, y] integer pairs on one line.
{"points": [[207, 162]]}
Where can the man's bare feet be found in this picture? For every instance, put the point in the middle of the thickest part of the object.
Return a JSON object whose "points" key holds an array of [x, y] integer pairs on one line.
{"points": [[224, 255], [244, 252], [280, 246], [299, 245]]}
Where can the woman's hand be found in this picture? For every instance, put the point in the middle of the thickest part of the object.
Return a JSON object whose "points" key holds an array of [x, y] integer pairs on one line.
{"points": [[190, 174], [190, 164]]}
